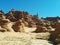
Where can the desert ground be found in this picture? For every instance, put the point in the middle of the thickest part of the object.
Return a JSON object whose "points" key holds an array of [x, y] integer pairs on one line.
{"points": [[26, 38]]}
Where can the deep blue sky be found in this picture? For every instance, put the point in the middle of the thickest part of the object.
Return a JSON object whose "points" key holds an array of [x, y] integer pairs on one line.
{"points": [[43, 7]]}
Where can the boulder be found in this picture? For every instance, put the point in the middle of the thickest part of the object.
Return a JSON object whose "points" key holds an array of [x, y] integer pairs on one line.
{"points": [[18, 26]]}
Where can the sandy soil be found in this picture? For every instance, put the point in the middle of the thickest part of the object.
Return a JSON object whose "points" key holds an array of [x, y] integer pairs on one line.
{"points": [[27, 38]]}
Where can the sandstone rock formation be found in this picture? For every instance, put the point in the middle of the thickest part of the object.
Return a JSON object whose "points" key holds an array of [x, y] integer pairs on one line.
{"points": [[27, 20], [6, 24], [18, 26]]}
